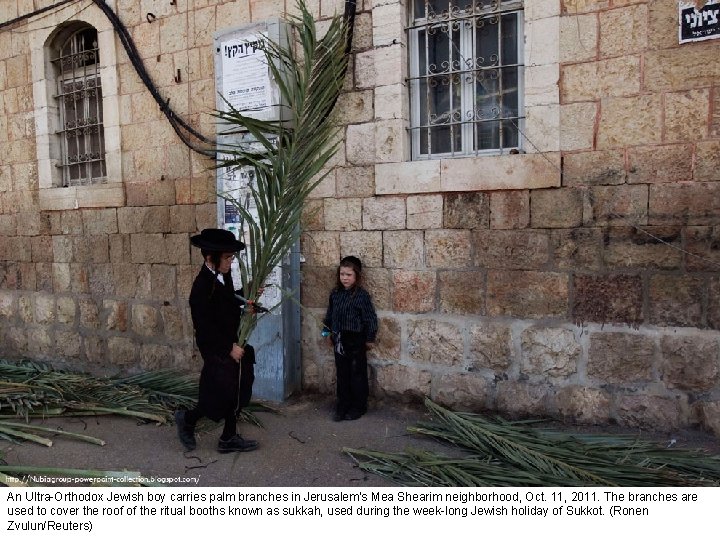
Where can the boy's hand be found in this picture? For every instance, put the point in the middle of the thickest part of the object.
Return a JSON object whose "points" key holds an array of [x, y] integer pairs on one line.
{"points": [[237, 352]]}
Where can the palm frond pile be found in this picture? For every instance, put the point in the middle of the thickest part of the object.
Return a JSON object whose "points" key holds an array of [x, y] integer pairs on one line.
{"points": [[287, 157], [502, 453], [35, 390]]}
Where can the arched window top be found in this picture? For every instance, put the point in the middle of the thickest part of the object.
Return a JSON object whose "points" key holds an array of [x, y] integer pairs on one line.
{"points": [[77, 48]]}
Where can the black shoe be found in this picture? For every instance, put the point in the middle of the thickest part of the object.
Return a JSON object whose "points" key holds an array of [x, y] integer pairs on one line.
{"points": [[236, 444], [353, 415], [186, 433]]}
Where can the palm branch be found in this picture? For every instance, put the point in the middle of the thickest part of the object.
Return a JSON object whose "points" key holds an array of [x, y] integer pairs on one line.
{"points": [[288, 157], [497, 452]]}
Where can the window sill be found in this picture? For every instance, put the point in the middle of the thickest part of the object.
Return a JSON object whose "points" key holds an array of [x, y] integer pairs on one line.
{"points": [[98, 196], [483, 173]]}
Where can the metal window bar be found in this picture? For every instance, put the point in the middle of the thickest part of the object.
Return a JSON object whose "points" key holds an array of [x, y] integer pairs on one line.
{"points": [[468, 120], [80, 105]]}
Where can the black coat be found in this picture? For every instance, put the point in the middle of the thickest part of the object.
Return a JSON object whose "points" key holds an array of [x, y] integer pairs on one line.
{"points": [[216, 315]]}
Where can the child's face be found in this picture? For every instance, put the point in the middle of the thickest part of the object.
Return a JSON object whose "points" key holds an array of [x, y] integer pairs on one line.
{"points": [[347, 277]]}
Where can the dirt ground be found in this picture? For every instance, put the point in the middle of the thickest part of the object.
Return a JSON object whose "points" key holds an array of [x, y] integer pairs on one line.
{"points": [[300, 446]]}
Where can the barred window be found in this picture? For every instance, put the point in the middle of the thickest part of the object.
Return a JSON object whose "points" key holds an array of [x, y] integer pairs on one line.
{"points": [[79, 99], [466, 77]]}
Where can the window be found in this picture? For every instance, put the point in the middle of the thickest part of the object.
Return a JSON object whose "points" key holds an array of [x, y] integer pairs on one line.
{"points": [[79, 104], [466, 77]]}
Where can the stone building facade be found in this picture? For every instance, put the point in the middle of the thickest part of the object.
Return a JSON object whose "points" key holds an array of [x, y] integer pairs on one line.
{"points": [[577, 278]]}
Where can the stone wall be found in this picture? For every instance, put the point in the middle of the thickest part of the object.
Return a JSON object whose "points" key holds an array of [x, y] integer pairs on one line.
{"points": [[579, 279]]}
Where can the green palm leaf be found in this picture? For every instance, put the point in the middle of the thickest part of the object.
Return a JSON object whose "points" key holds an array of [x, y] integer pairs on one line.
{"points": [[289, 157]]}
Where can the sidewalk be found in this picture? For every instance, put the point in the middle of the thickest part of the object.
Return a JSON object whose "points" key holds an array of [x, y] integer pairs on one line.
{"points": [[301, 446]]}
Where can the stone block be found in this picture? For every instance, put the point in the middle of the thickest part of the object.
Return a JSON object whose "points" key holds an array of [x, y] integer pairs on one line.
{"points": [[400, 381], [578, 249], [461, 391], [527, 294], [582, 405], [321, 248], [630, 121], [509, 209], [649, 247], [616, 205], [119, 246], [676, 300], [26, 309], [14, 340], [591, 81], [462, 292], [407, 177], [378, 282], [388, 341], [68, 344], [44, 312], [182, 219], [100, 281], [681, 68], [656, 164], [162, 282], [702, 245], [88, 311], [317, 281], [466, 211], [343, 214], [384, 213], [621, 358], [448, 248], [355, 181], [115, 315], [709, 414], [151, 219], [690, 362], [147, 248], [40, 342], [521, 400], [42, 248], [490, 347], [578, 38], [549, 352], [312, 215], [100, 221], [435, 342], [155, 356], [713, 309], [577, 126], [91, 249], [649, 412], [685, 204], [66, 310], [355, 107], [522, 249], [687, 115], [367, 245], [707, 160], [556, 208], [8, 305], [177, 248], [360, 144], [624, 30], [122, 351], [511, 171], [424, 211], [413, 291], [608, 299]]}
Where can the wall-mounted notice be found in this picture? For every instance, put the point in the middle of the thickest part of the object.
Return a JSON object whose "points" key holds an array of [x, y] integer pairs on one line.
{"points": [[245, 76], [699, 24]]}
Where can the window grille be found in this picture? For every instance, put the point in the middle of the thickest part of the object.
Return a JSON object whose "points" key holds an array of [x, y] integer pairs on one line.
{"points": [[79, 98], [466, 77]]}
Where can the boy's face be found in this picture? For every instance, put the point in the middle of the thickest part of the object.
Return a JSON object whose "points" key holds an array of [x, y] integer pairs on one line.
{"points": [[347, 277]]}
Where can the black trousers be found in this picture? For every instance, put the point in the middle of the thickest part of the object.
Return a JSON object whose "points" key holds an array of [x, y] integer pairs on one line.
{"points": [[225, 388], [351, 373]]}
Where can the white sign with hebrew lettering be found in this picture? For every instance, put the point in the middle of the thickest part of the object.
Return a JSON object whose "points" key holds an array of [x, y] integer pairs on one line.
{"points": [[699, 24]]}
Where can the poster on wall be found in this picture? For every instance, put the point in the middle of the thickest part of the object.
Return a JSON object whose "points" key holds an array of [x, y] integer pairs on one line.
{"points": [[699, 24], [245, 76]]}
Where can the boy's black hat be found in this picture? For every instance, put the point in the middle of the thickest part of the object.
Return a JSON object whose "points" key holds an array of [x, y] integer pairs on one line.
{"points": [[351, 259], [217, 240]]}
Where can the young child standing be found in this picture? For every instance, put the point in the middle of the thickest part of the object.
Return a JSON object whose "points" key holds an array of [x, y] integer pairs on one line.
{"points": [[352, 323]]}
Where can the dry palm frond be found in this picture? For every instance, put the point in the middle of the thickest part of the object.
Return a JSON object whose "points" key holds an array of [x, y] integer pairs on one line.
{"points": [[502, 453], [34, 390], [287, 157]]}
